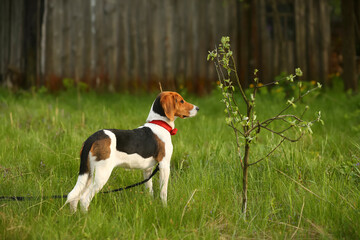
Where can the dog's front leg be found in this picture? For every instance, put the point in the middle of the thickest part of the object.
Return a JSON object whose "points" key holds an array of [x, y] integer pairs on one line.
{"points": [[164, 168]]}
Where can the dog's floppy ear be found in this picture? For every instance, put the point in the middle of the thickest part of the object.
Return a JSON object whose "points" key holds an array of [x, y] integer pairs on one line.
{"points": [[167, 102]]}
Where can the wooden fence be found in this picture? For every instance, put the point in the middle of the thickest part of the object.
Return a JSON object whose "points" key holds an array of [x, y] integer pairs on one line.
{"points": [[125, 45]]}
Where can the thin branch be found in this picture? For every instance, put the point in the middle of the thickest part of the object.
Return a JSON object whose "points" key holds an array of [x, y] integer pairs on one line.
{"points": [[242, 134], [218, 68], [268, 153], [267, 84], [283, 136], [238, 81], [281, 117], [305, 110], [236, 131], [219, 71], [234, 101], [238, 145], [295, 101], [229, 109], [232, 69], [286, 129]]}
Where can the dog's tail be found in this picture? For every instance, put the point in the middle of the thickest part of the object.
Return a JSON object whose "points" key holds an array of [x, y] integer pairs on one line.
{"points": [[84, 157], [84, 154]]}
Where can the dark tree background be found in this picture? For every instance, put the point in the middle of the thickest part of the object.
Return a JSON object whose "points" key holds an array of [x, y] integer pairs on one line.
{"points": [[350, 23]]}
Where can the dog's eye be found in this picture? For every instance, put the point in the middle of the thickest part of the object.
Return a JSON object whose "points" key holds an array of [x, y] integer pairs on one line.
{"points": [[182, 101]]}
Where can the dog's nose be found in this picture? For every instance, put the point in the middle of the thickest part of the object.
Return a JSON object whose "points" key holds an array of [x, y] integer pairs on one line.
{"points": [[197, 108]]}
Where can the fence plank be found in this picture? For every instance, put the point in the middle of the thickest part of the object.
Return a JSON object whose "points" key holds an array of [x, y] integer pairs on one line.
{"points": [[16, 36], [311, 41], [4, 39], [324, 33], [300, 37]]}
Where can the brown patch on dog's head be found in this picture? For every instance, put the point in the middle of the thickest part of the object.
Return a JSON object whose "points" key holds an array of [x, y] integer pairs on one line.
{"points": [[175, 105], [101, 149]]}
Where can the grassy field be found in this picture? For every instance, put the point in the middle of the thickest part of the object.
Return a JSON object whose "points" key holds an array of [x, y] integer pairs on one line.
{"points": [[305, 190]]}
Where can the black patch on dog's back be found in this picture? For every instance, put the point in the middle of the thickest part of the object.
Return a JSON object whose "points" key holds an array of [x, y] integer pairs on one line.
{"points": [[141, 141], [158, 108]]}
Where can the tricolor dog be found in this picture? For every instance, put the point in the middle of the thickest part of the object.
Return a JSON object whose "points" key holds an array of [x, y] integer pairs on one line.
{"points": [[141, 148]]}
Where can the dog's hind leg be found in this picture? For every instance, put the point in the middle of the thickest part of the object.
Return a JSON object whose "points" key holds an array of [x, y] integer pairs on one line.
{"points": [[80, 186], [149, 184], [101, 174]]}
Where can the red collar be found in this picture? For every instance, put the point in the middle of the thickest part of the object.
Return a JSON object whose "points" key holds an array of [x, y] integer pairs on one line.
{"points": [[165, 125]]}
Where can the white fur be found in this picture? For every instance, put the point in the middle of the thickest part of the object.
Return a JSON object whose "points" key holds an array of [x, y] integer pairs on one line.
{"points": [[74, 196], [193, 111]]}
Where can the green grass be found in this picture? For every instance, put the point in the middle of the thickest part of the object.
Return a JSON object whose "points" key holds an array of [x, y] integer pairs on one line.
{"points": [[309, 189]]}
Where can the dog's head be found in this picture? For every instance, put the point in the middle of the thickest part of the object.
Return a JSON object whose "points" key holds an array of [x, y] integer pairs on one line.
{"points": [[172, 104]]}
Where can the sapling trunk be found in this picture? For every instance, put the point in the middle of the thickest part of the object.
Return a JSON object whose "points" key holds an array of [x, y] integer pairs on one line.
{"points": [[245, 166], [245, 178]]}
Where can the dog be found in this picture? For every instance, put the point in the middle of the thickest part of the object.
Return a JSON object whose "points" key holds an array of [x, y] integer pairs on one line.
{"points": [[141, 148]]}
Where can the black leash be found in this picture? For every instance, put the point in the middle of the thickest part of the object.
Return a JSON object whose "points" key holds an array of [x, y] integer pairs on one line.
{"points": [[24, 198], [136, 184]]}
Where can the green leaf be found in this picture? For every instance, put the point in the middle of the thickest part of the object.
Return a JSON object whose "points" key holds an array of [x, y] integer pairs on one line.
{"points": [[291, 102], [298, 72], [228, 120], [309, 129], [290, 78]]}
